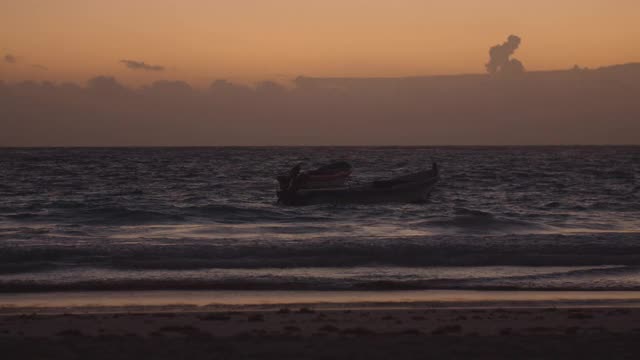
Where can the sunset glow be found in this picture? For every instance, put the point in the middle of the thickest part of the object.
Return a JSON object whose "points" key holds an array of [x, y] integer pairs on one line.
{"points": [[197, 40]]}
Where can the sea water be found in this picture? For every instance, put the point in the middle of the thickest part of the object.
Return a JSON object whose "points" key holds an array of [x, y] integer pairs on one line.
{"points": [[526, 218]]}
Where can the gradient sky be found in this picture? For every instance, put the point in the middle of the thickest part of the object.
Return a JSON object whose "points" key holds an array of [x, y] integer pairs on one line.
{"points": [[247, 40]]}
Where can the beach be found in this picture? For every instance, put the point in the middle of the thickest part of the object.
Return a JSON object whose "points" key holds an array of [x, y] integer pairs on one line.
{"points": [[488, 326]]}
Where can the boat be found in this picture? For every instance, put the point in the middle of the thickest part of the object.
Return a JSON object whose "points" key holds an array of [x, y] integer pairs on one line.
{"points": [[332, 175], [409, 188]]}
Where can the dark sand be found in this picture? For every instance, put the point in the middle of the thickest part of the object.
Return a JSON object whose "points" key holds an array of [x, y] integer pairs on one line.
{"points": [[323, 333]]}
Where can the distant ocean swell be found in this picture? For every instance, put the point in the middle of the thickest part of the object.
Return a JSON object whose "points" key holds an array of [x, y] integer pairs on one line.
{"points": [[82, 214], [206, 218]]}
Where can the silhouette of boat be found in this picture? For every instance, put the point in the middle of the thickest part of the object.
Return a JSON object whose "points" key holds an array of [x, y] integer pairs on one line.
{"points": [[331, 175], [409, 188]]}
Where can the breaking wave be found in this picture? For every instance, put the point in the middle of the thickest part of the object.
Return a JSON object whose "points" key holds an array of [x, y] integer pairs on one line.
{"points": [[441, 250]]}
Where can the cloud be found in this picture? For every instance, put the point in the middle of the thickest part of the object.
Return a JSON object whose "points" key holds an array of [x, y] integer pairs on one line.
{"points": [[10, 59], [545, 107], [499, 57], [512, 67], [141, 65], [224, 88], [105, 85], [269, 87], [168, 87]]}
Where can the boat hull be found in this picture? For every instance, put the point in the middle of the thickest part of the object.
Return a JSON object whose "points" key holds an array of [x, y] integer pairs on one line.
{"points": [[410, 192]]}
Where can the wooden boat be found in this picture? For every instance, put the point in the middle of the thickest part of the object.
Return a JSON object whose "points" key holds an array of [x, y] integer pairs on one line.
{"points": [[404, 189], [332, 175]]}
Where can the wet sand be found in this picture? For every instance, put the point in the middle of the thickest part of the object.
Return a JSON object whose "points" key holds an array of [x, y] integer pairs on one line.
{"points": [[322, 331]]}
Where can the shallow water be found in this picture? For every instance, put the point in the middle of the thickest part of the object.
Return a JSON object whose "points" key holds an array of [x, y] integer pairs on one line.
{"points": [[206, 218], [198, 301]]}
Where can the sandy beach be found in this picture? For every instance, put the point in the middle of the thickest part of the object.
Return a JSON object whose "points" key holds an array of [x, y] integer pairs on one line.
{"points": [[476, 330]]}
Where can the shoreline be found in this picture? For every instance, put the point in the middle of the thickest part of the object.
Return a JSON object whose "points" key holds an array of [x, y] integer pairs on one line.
{"points": [[199, 301], [281, 325]]}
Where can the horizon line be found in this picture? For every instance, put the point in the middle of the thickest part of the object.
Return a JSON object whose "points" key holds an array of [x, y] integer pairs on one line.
{"points": [[294, 78], [2, 147]]}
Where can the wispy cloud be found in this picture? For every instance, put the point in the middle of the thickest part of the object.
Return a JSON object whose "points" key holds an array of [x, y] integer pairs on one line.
{"points": [[141, 65], [10, 59]]}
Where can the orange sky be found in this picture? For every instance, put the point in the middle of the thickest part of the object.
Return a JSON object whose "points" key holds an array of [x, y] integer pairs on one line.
{"points": [[247, 40]]}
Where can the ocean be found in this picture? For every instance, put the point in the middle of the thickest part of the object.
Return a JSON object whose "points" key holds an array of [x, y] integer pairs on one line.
{"points": [[501, 218]]}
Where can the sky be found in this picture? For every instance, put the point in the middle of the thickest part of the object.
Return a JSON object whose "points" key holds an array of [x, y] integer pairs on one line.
{"points": [[144, 73], [139, 41]]}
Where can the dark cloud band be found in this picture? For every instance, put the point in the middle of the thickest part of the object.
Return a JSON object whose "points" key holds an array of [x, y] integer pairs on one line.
{"points": [[141, 65]]}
